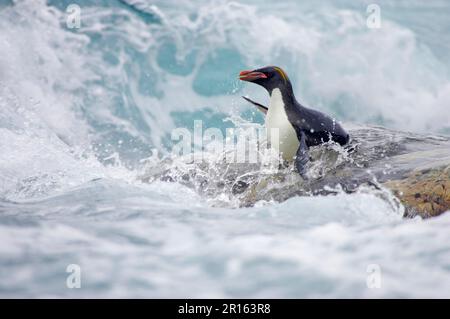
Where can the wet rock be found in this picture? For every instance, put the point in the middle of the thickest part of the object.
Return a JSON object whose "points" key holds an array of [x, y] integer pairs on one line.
{"points": [[414, 168], [426, 193]]}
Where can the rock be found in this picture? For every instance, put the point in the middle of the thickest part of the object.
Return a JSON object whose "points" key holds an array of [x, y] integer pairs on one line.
{"points": [[426, 192], [415, 168]]}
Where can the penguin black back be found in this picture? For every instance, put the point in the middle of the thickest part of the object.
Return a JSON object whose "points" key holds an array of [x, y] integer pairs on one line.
{"points": [[311, 127]]}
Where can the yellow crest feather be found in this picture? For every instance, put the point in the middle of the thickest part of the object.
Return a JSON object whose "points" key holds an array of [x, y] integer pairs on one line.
{"points": [[283, 75]]}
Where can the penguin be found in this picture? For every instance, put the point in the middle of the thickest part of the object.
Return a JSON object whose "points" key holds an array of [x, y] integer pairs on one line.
{"points": [[299, 127]]}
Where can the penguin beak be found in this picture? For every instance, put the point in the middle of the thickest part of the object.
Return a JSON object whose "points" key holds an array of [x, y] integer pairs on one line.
{"points": [[251, 76]]}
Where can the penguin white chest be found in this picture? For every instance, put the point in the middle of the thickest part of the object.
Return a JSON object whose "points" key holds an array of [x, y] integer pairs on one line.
{"points": [[276, 119]]}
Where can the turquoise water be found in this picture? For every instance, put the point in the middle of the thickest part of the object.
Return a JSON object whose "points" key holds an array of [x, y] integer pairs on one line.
{"points": [[81, 110]]}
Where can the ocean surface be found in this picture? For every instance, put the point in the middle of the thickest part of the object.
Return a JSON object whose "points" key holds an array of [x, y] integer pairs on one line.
{"points": [[84, 110]]}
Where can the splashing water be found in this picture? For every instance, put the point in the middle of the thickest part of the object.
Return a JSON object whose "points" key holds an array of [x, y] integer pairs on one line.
{"points": [[82, 111]]}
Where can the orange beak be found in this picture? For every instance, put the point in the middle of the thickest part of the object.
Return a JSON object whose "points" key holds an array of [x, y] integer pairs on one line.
{"points": [[251, 76]]}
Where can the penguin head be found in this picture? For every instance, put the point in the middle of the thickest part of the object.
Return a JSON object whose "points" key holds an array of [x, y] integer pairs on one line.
{"points": [[269, 77]]}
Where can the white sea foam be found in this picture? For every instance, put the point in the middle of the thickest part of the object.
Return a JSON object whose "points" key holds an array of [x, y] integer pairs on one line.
{"points": [[72, 101]]}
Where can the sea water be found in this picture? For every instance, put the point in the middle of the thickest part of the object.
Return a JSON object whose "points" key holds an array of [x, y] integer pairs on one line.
{"points": [[84, 108]]}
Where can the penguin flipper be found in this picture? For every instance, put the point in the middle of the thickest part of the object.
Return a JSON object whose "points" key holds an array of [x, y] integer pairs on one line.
{"points": [[260, 107], [302, 156]]}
